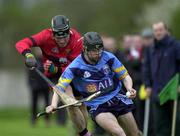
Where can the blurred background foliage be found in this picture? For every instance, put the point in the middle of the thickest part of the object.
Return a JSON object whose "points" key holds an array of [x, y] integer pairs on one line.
{"points": [[22, 18], [175, 27]]}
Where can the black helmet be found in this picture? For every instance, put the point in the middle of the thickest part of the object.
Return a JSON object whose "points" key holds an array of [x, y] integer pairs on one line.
{"points": [[92, 40], [60, 26]]}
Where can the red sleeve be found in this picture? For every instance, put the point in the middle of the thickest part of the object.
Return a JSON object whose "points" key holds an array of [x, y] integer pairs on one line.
{"points": [[23, 46], [77, 49]]}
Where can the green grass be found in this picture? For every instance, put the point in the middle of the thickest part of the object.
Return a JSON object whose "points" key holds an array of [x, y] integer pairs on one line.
{"points": [[16, 122]]}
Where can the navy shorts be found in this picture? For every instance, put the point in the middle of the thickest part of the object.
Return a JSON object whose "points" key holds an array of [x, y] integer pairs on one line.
{"points": [[114, 106]]}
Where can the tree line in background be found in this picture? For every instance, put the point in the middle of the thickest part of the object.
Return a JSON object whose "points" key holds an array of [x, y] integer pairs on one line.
{"points": [[21, 18]]}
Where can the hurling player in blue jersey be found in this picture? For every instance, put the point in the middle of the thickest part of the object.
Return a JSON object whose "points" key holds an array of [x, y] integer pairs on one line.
{"points": [[97, 70]]}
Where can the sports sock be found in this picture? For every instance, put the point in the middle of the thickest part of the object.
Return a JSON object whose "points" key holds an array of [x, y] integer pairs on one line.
{"points": [[84, 133]]}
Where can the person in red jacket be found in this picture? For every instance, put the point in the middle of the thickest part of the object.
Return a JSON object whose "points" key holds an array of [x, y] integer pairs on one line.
{"points": [[60, 45]]}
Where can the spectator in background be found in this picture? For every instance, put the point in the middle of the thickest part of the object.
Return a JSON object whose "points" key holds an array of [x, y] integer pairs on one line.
{"points": [[147, 37], [109, 43], [148, 41], [127, 42], [111, 46], [162, 62], [130, 57], [132, 45], [38, 87]]}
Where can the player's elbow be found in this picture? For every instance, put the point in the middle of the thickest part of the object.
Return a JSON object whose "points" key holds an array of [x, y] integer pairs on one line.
{"points": [[127, 78], [17, 46]]}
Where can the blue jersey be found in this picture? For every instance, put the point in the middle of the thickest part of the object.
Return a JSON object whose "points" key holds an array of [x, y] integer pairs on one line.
{"points": [[106, 76]]}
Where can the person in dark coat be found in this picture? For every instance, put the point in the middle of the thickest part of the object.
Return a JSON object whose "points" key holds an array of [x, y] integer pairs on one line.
{"points": [[148, 41], [162, 62]]}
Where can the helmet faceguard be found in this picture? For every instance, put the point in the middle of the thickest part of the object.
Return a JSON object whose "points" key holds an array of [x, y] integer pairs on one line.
{"points": [[93, 46], [61, 34]]}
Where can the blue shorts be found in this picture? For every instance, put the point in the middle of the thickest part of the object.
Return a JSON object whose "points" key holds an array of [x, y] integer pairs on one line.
{"points": [[115, 106]]}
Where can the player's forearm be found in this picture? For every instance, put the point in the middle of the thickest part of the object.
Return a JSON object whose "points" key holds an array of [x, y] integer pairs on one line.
{"points": [[127, 81], [23, 46], [65, 94], [55, 99], [69, 93]]}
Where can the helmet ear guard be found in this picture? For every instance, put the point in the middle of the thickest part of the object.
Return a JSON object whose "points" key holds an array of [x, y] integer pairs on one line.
{"points": [[85, 50]]}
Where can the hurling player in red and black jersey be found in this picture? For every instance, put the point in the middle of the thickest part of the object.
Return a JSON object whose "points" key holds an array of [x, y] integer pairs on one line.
{"points": [[60, 45]]}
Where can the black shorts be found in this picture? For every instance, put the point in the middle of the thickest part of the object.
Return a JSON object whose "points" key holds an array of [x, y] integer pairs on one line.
{"points": [[114, 106], [75, 91]]}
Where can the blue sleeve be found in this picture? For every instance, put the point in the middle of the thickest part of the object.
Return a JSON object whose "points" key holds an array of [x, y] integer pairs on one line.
{"points": [[65, 79], [119, 69]]}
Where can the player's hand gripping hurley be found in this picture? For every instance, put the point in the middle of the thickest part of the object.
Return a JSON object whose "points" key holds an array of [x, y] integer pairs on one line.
{"points": [[72, 104]]}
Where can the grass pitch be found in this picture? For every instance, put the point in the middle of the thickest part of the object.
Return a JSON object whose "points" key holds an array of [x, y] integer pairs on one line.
{"points": [[16, 122]]}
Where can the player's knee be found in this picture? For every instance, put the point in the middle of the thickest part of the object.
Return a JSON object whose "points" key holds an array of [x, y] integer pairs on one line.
{"points": [[75, 113], [116, 131]]}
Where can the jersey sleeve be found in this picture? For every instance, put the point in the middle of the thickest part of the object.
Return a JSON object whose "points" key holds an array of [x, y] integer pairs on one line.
{"points": [[23, 46], [65, 79], [119, 69]]}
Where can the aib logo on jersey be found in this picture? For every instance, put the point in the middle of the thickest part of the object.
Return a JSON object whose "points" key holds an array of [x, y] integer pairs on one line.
{"points": [[104, 85], [106, 70]]}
